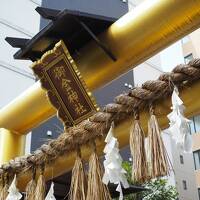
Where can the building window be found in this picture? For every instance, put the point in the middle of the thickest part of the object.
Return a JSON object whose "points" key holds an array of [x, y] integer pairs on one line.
{"points": [[181, 159], [192, 126], [199, 193], [195, 125], [188, 58], [184, 185], [196, 155]]}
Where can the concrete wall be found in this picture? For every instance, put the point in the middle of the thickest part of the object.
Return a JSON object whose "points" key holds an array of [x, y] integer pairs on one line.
{"points": [[195, 40], [12, 84], [172, 56], [17, 19], [188, 48], [193, 46], [196, 141], [196, 146], [185, 172], [149, 70]]}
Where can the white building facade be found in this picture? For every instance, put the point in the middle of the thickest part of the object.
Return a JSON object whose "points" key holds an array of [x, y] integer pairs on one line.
{"points": [[17, 19]]}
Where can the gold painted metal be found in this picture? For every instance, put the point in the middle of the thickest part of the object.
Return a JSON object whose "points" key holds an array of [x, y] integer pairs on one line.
{"points": [[27, 110], [135, 37], [65, 163], [11, 145]]}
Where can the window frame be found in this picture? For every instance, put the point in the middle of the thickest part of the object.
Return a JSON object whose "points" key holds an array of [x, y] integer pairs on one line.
{"points": [[184, 184], [188, 56], [198, 155], [198, 192], [181, 159]]}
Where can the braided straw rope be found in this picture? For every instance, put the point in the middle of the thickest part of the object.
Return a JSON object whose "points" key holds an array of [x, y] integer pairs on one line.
{"points": [[98, 125]]}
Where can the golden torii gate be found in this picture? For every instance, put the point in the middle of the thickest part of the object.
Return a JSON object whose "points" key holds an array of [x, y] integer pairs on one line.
{"points": [[135, 37]]}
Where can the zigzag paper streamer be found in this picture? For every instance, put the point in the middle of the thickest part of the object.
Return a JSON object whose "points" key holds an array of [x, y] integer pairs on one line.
{"points": [[114, 173], [179, 125]]}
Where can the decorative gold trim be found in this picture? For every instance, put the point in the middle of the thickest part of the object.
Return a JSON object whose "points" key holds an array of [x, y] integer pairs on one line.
{"points": [[48, 61]]}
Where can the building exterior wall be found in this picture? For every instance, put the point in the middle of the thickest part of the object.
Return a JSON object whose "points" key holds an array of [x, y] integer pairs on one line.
{"points": [[17, 19], [195, 36], [171, 56], [191, 45], [149, 70], [184, 172], [15, 74], [196, 142], [191, 49], [196, 147]]}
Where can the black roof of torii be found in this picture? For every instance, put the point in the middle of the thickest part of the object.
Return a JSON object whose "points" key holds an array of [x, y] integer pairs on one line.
{"points": [[75, 28]]}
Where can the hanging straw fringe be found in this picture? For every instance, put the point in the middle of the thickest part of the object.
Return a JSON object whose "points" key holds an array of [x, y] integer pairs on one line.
{"points": [[159, 164], [137, 146], [96, 189], [41, 186], [78, 186], [1, 184], [4, 192], [31, 186]]}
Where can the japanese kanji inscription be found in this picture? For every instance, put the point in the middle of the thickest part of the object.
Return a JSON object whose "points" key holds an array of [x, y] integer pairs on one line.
{"points": [[65, 87]]}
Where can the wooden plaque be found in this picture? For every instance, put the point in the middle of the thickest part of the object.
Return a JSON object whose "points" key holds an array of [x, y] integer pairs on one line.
{"points": [[65, 87]]}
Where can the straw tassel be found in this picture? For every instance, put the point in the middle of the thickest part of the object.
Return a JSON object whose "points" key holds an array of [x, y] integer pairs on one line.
{"points": [[159, 163], [78, 187], [96, 189], [137, 147], [31, 186], [41, 186], [4, 192], [1, 184]]}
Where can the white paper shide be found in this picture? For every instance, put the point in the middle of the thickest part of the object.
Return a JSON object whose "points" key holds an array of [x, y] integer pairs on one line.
{"points": [[13, 192], [50, 195], [179, 125], [114, 173]]}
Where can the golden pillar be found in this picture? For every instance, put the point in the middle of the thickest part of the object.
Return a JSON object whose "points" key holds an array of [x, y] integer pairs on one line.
{"points": [[11, 145]]}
